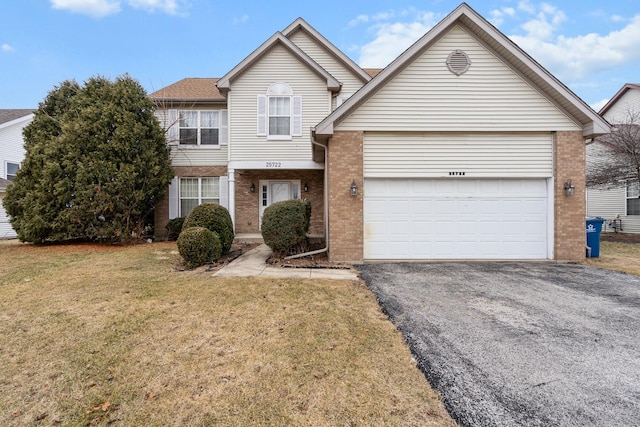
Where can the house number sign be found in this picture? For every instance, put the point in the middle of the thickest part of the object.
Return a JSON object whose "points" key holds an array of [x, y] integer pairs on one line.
{"points": [[273, 164]]}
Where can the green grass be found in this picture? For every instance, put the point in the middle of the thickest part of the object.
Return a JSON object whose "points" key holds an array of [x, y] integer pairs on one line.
{"points": [[93, 335]]}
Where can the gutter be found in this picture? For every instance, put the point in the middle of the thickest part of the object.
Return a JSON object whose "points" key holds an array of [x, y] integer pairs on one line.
{"points": [[326, 208]]}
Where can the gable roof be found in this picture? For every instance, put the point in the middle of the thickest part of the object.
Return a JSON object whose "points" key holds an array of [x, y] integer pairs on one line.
{"points": [[278, 39], [518, 60], [301, 25], [617, 96], [8, 116], [201, 90]]}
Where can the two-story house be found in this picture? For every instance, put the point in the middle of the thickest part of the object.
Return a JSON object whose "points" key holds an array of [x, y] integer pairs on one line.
{"points": [[12, 122], [460, 149]]}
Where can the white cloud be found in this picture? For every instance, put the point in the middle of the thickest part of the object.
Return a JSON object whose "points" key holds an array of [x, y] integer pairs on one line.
{"points": [[95, 8], [598, 105], [170, 7], [498, 15], [393, 38], [101, 8], [7, 48], [244, 18], [577, 57]]}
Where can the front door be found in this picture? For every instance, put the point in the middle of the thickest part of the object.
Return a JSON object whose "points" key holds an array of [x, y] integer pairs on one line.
{"points": [[277, 191]]}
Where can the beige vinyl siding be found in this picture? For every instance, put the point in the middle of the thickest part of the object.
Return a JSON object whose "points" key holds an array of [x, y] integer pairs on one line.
{"points": [[488, 97], [478, 155], [619, 112], [193, 155], [350, 82], [12, 145], [6, 231], [631, 224], [278, 65], [198, 156], [608, 204]]}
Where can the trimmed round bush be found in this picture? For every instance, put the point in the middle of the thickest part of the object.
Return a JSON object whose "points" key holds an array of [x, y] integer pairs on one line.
{"points": [[215, 218], [285, 225], [174, 227], [198, 246]]}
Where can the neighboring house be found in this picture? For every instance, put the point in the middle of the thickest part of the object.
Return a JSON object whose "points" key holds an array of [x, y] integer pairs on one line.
{"points": [[620, 205], [11, 155], [459, 149]]}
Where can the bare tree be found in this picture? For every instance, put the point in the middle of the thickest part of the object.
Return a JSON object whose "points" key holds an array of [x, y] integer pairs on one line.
{"points": [[615, 158]]}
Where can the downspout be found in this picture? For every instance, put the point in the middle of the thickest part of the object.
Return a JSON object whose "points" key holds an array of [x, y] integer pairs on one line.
{"points": [[326, 208]]}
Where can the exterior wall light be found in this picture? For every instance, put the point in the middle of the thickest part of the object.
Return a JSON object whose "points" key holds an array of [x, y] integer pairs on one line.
{"points": [[306, 187], [569, 188], [252, 188], [354, 188]]}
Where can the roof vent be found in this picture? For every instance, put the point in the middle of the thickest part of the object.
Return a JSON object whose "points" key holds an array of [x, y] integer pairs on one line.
{"points": [[458, 62]]}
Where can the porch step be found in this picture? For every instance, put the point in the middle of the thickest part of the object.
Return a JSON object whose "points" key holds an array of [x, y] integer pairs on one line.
{"points": [[249, 238]]}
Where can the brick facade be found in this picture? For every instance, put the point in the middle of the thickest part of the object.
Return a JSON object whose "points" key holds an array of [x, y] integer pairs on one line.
{"points": [[569, 211], [345, 211], [161, 211], [247, 203]]}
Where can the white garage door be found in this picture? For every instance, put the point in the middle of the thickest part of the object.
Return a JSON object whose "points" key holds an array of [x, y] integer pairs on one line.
{"points": [[455, 219]]}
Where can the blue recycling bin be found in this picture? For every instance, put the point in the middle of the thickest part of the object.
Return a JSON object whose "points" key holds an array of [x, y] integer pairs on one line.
{"points": [[594, 228]]}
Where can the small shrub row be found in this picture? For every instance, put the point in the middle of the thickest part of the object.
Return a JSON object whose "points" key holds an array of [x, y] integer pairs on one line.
{"points": [[198, 246], [285, 225], [204, 235]]}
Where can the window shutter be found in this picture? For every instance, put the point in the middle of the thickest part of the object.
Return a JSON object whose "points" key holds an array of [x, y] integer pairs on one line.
{"points": [[174, 198], [224, 191], [224, 127], [262, 115], [296, 122], [173, 131]]}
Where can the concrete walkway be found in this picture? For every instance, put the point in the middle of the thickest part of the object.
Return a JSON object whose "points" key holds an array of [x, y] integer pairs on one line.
{"points": [[253, 263]]}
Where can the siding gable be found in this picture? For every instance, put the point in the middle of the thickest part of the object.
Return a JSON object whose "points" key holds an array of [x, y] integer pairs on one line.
{"points": [[426, 96], [350, 82], [629, 102], [277, 65]]}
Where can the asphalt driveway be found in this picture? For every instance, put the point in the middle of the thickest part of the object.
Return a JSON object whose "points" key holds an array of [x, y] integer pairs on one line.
{"points": [[509, 344]]}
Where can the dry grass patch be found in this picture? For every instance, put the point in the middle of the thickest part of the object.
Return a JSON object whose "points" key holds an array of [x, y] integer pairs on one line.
{"points": [[94, 335], [621, 256]]}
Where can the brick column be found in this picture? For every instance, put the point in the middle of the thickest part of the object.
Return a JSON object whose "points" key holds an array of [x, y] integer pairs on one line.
{"points": [[569, 211], [345, 210]]}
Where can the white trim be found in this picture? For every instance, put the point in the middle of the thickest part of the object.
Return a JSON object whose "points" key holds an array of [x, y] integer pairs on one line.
{"points": [[16, 121], [280, 164], [262, 195], [6, 167], [550, 218]]}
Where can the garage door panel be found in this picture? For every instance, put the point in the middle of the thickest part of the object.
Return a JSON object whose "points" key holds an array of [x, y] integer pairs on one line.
{"points": [[455, 219]]}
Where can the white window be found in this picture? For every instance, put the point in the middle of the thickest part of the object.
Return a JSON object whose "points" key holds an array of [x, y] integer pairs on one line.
{"points": [[633, 198], [11, 170], [200, 127], [196, 191], [279, 113]]}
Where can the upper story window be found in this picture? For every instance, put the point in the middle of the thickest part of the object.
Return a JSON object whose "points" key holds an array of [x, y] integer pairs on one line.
{"points": [[199, 127], [633, 198], [11, 170], [279, 113]]}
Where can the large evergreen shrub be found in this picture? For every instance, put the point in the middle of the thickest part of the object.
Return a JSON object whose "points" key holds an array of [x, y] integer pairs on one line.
{"points": [[215, 218], [174, 227], [96, 164], [198, 246], [285, 225]]}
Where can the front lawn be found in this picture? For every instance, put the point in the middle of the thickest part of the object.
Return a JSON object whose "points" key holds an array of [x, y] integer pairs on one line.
{"points": [[96, 335], [619, 252]]}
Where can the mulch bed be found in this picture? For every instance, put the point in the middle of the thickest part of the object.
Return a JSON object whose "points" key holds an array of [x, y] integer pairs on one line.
{"points": [[620, 237]]}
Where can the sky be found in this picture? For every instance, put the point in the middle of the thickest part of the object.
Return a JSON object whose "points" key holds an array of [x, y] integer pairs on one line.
{"points": [[592, 46]]}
